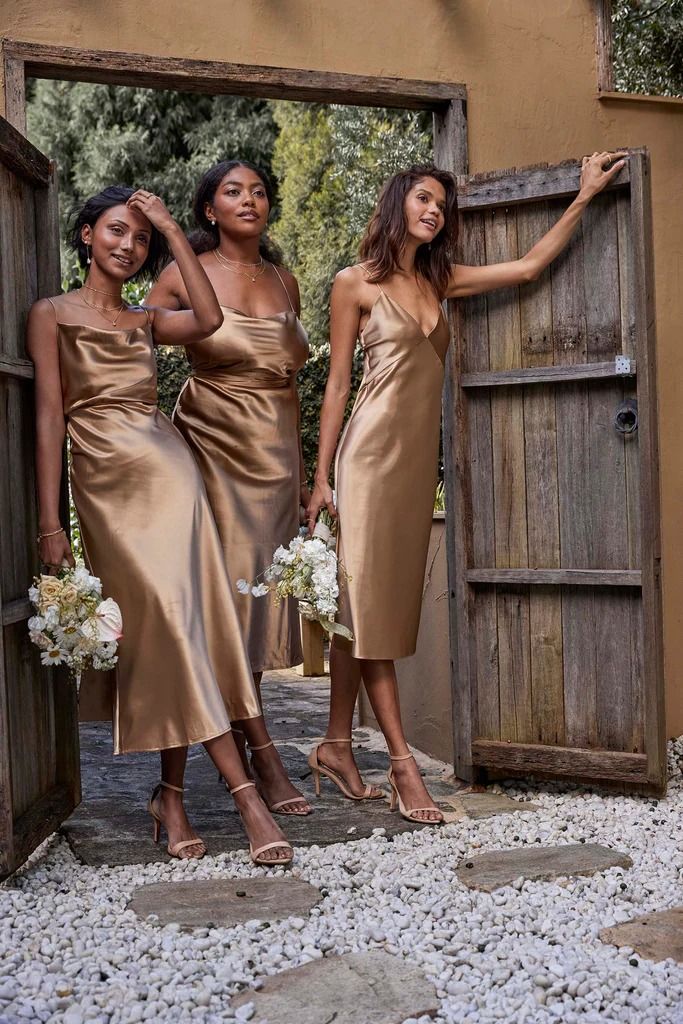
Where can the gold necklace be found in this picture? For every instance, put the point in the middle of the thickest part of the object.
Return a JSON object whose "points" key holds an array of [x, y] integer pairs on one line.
{"points": [[89, 288], [100, 310], [225, 263]]}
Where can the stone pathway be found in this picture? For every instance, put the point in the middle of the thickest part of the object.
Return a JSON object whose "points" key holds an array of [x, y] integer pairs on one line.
{"points": [[218, 904], [111, 825], [359, 988], [490, 871], [374, 922], [656, 936]]}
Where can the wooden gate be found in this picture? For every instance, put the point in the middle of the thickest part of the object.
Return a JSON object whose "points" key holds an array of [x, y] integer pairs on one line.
{"points": [[552, 474], [39, 767]]}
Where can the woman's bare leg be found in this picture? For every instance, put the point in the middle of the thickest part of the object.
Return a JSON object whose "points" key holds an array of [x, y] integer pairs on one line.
{"points": [[257, 819], [266, 765], [382, 689], [345, 682], [169, 804]]}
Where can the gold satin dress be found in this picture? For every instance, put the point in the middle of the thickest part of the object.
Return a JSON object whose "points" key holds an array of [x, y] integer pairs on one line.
{"points": [[386, 474], [148, 533], [239, 413]]}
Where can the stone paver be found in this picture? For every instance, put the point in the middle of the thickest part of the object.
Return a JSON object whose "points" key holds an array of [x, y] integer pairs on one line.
{"points": [[654, 936], [112, 827], [489, 871], [218, 903], [487, 805], [357, 988]]}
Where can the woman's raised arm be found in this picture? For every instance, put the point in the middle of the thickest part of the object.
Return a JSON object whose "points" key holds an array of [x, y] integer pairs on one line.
{"points": [[180, 327], [466, 280]]}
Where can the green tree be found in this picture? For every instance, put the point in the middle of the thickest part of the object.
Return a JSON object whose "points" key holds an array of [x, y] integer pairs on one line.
{"points": [[100, 135], [648, 46]]}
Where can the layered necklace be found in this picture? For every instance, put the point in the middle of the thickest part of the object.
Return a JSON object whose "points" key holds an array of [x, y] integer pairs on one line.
{"points": [[103, 310], [252, 271]]}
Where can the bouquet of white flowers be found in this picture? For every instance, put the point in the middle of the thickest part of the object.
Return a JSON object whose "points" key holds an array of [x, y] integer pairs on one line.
{"points": [[306, 569], [73, 625]]}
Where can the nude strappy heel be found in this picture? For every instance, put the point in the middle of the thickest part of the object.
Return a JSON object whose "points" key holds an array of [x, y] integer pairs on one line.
{"points": [[279, 844], [277, 807], [408, 814], [174, 851], [318, 769]]}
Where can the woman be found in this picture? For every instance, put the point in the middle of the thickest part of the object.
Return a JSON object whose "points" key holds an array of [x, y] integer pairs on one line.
{"points": [[386, 467], [239, 413], [146, 526]]}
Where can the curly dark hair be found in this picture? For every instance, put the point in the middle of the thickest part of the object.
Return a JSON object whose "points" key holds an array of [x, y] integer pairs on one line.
{"points": [[90, 213], [207, 237], [385, 235]]}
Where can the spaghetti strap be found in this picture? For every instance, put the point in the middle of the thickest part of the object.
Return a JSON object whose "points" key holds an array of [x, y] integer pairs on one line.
{"points": [[289, 298], [52, 304]]}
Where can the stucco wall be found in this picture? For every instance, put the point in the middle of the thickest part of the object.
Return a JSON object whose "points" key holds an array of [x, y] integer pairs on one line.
{"points": [[530, 73]]}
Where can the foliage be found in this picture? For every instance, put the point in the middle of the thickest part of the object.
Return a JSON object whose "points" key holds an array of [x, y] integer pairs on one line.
{"points": [[331, 163], [648, 46], [173, 370], [101, 135]]}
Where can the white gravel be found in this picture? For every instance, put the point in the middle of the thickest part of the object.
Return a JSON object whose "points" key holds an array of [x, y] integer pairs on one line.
{"points": [[71, 952]]}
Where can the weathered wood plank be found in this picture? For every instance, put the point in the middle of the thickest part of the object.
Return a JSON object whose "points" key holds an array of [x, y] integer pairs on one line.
{"points": [[514, 660], [628, 348], [14, 89], [482, 641], [546, 374], [37, 824], [545, 577], [16, 611], [212, 77], [506, 188], [10, 366], [509, 486], [579, 645], [648, 442], [21, 157], [540, 441], [608, 530], [577, 762], [604, 45]]}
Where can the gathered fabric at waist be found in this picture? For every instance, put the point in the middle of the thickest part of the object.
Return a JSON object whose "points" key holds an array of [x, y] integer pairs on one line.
{"points": [[247, 381]]}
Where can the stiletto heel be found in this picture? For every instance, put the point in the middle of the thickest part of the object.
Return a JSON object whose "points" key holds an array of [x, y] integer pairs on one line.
{"points": [[173, 851], [277, 807], [395, 798], [318, 768], [279, 844]]}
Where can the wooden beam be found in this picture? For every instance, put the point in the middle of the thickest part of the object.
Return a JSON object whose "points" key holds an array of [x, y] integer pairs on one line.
{"points": [[17, 153], [578, 763], [604, 45], [526, 185], [147, 70], [14, 79], [549, 577], [34, 826], [13, 367], [16, 611], [545, 374]]}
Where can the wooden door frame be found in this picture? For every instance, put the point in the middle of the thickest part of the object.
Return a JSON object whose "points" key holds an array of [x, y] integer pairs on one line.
{"points": [[446, 100]]}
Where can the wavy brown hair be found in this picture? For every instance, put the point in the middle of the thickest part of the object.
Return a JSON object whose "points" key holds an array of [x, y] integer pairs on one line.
{"points": [[385, 235]]}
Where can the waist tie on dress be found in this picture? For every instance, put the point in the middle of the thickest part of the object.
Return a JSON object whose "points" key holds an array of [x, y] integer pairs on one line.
{"points": [[242, 381]]}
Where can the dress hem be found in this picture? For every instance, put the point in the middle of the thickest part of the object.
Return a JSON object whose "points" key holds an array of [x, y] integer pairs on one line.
{"points": [[188, 743]]}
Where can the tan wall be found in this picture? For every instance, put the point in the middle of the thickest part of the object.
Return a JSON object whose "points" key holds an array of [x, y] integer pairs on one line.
{"points": [[425, 679], [531, 80]]}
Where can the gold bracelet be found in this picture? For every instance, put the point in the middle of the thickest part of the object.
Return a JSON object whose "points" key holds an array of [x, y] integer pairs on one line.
{"points": [[53, 533]]}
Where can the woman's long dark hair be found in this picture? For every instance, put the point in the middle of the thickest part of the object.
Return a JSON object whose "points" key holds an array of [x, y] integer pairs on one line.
{"points": [[90, 213], [207, 237], [385, 236]]}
